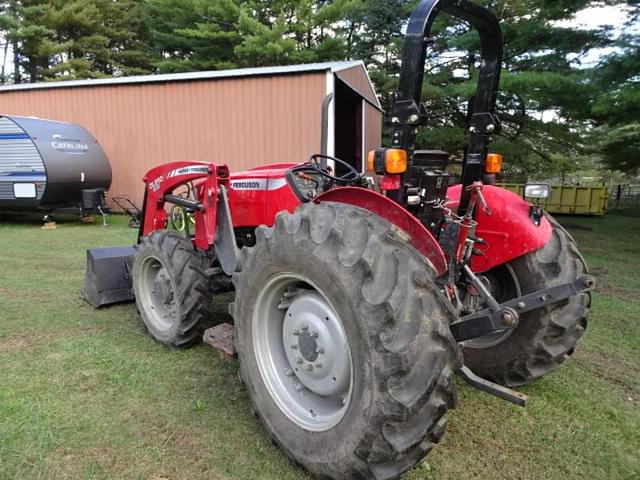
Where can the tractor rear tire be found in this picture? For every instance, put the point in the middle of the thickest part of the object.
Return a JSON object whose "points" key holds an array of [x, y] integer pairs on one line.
{"points": [[543, 338], [171, 289], [359, 277]]}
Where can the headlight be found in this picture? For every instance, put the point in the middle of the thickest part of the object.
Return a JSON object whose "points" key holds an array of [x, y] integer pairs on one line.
{"points": [[537, 190]]}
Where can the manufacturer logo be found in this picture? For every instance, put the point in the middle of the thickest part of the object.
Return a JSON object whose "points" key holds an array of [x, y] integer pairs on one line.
{"points": [[188, 170], [69, 145], [249, 184]]}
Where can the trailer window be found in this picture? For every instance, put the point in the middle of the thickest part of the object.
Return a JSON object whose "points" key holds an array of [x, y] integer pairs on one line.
{"points": [[24, 190]]}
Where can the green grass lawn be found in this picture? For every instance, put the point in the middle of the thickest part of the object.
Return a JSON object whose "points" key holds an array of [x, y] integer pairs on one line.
{"points": [[87, 394]]}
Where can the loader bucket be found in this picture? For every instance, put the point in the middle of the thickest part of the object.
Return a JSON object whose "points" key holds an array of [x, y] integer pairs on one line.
{"points": [[108, 278]]}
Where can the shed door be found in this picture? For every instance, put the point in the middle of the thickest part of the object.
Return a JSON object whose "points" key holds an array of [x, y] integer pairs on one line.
{"points": [[348, 125]]}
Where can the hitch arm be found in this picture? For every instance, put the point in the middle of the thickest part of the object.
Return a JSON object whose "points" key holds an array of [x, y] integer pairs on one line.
{"points": [[506, 315], [517, 398]]}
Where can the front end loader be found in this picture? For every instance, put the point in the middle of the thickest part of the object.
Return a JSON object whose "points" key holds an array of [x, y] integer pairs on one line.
{"points": [[355, 306]]}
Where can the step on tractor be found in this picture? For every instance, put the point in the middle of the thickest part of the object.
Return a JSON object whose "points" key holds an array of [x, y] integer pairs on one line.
{"points": [[356, 301]]}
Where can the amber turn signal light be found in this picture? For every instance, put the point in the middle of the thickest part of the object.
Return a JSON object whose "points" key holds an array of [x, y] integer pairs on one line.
{"points": [[371, 161], [387, 161], [395, 161], [493, 164]]}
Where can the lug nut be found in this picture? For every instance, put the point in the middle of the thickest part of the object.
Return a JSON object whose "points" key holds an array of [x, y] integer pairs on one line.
{"points": [[296, 332], [299, 360], [320, 350], [294, 346], [318, 365], [314, 334], [288, 372], [305, 327], [299, 387], [310, 368]]}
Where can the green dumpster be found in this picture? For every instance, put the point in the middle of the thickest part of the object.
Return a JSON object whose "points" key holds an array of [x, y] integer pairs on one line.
{"points": [[570, 199]]}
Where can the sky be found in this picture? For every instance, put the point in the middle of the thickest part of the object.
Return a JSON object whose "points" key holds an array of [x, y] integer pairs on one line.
{"points": [[591, 18]]}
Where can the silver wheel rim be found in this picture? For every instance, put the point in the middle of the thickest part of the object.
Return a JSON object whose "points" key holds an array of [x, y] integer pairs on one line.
{"points": [[302, 352], [157, 292]]}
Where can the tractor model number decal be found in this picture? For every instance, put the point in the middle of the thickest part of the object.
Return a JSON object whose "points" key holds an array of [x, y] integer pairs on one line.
{"points": [[250, 184], [155, 185], [188, 170]]}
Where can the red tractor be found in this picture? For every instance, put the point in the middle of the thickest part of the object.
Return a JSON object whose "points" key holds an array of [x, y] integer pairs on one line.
{"points": [[354, 306]]}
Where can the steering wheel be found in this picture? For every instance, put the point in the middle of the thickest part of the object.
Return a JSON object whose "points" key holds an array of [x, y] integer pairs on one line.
{"points": [[352, 175]]}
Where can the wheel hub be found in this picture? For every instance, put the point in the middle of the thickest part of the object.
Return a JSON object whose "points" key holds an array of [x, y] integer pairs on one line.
{"points": [[308, 347], [157, 291], [316, 345], [302, 352], [162, 287]]}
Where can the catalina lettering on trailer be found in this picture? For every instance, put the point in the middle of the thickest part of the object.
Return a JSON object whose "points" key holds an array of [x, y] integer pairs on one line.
{"points": [[67, 145]]}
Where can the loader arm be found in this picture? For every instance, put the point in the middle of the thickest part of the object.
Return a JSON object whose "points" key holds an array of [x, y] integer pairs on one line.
{"points": [[407, 110], [164, 179]]}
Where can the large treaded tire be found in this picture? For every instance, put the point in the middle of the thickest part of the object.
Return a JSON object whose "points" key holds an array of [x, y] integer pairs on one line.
{"points": [[397, 324], [544, 338], [185, 267]]}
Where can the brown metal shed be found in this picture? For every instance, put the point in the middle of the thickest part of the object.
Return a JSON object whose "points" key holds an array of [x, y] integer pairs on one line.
{"points": [[243, 117]]}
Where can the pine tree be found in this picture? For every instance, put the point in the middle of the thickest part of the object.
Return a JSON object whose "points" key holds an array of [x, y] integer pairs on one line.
{"points": [[189, 35]]}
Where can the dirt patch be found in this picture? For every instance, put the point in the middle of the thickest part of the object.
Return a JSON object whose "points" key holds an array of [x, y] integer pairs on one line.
{"points": [[21, 341], [605, 287], [614, 371], [16, 294]]}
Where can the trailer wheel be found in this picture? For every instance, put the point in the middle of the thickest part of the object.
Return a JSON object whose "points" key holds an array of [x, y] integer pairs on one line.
{"points": [[171, 289], [344, 342], [544, 338]]}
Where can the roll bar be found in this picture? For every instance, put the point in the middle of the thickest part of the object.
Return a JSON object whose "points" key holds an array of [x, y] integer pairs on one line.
{"points": [[407, 112]]}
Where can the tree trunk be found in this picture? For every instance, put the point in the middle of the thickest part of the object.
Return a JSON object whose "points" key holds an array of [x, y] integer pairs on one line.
{"points": [[16, 63]]}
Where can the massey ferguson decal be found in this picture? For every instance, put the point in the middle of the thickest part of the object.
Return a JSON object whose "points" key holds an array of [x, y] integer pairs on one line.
{"points": [[258, 184], [188, 170], [249, 184]]}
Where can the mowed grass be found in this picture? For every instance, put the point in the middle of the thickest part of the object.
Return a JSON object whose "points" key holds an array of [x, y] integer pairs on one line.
{"points": [[87, 394]]}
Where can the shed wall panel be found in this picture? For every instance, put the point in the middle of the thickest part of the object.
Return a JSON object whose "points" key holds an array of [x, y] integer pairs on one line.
{"points": [[372, 128], [356, 78], [243, 122]]}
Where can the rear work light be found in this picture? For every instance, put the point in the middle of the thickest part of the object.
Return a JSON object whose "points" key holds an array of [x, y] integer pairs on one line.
{"points": [[387, 161], [538, 191], [493, 164]]}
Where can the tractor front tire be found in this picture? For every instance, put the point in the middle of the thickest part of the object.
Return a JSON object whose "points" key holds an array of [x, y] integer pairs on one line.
{"points": [[344, 342], [543, 338], [171, 289]]}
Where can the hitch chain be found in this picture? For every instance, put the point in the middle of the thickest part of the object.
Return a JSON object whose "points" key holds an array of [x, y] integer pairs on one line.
{"points": [[462, 221]]}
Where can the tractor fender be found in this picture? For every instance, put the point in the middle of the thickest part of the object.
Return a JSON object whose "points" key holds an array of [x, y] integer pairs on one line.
{"points": [[419, 236], [508, 230]]}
